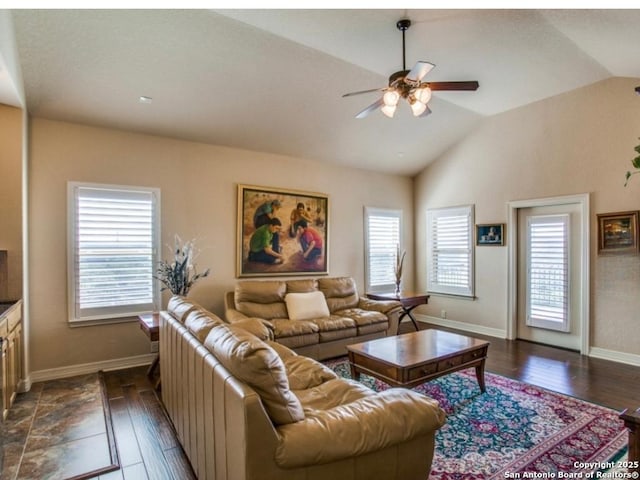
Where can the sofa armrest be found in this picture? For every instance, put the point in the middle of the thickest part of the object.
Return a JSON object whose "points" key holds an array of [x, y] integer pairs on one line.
{"points": [[369, 424], [391, 308], [383, 306], [232, 315]]}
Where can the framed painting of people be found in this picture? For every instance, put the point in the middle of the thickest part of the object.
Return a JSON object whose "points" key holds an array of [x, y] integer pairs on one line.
{"points": [[281, 232], [618, 233]]}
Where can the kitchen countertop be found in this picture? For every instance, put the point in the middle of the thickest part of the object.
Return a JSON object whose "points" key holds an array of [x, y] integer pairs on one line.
{"points": [[6, 305]]}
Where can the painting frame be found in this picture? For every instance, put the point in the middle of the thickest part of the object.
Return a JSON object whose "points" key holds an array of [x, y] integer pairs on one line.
{"points": [[256, 206], [618, 233], [490, 234]]}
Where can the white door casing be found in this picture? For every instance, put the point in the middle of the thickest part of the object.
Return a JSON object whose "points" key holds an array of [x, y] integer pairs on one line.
{"points": [[580, 204]]}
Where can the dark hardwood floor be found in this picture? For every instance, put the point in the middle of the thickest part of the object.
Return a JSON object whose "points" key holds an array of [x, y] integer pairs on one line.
{"points": [[148, 448]]}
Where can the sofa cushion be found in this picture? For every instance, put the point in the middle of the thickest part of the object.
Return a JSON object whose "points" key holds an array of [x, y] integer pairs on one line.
{"points": [[330, 394], [299, 341], [261, 298], [200, 322], [283, 327], [305, 306], [301, 286], [295, 334], [363, 317], [335, 327], [254, 362], [340, 292], [304, 373], [179, 307]]}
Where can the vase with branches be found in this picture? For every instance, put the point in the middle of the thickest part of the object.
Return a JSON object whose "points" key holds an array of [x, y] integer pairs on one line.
{"points": [[398, 267], [180, 274]]}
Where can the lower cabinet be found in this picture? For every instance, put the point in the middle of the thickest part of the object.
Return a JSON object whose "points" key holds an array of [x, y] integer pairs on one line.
{"points": [[11, 357]]}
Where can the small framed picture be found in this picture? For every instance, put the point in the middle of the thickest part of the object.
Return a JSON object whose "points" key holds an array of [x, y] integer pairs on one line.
{"points": [[490, 234], [618, 233]]}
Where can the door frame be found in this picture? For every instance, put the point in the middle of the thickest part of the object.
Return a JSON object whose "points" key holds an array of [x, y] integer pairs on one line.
{"points": [[512, 237]]}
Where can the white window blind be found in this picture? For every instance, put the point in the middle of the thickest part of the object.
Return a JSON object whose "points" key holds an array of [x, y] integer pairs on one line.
{"points": [[450, 250], [548, 272], [113, 244], [382, 238]]}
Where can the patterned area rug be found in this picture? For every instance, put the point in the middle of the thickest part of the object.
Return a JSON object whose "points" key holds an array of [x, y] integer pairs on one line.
{"points": [[513, 429]]}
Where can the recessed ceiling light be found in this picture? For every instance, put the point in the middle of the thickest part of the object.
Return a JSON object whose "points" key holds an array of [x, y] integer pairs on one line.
{"points": [[144, 99]]}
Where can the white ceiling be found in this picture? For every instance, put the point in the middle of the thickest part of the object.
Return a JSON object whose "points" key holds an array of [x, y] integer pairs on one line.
{"points": [[272, 80]]}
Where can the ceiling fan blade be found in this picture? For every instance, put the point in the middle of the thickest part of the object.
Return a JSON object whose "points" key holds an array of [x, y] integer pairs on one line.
{"points": [[362, 91], [419, 70], [374, 106], [471, 85]]}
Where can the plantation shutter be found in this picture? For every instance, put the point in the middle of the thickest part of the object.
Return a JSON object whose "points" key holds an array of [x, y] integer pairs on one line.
{"points": [[548, 272], [113, 245], [382, 241], [450, 251]]}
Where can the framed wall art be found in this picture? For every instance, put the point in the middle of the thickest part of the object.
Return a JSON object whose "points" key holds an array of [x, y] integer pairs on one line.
{"points": [[618, 233], [282, 232], [490, 234]]}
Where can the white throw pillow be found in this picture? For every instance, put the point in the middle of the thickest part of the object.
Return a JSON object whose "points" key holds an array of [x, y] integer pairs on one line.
{"points": [[305, 306]]}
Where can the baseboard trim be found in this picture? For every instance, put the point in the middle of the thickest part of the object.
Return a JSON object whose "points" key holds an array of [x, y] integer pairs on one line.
{"points": [[467, 327], [85, 368], [595, 352], [614, 356]]}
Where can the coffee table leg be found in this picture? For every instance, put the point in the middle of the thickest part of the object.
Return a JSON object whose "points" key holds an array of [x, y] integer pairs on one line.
{"points": [[352, 365], [354, 373], [480, 376]]}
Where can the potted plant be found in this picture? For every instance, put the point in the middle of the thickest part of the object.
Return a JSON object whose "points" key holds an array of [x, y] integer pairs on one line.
{"points": [[636, 164], [180, 274]]}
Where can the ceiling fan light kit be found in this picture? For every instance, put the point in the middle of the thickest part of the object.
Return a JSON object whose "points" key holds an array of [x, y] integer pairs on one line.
{"points": [[408, 84]]}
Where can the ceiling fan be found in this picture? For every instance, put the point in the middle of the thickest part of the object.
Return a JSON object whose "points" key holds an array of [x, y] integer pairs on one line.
{"points": [[408, 84]]}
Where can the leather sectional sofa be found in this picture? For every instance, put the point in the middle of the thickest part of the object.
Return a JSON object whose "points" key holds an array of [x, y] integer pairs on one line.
{"points": [[348, 319], [247, 408]]}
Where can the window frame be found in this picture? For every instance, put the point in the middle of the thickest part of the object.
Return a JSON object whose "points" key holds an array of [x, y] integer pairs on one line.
{"points": [[380, 212], [115, 314], [442, 289]]}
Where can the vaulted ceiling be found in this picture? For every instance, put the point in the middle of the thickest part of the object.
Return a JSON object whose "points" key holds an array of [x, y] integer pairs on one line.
{"points": [[272, 80]]}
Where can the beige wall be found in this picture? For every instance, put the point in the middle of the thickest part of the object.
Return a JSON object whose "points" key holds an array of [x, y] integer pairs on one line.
{"points": [[578, 142], [11, 197], [198, 187]]}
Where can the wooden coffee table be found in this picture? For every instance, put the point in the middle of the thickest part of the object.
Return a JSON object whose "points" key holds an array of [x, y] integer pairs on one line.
{"points": [[415, 358]]}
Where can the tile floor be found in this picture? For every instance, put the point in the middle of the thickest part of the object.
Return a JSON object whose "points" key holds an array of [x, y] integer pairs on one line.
{"points": [[57, 430]]}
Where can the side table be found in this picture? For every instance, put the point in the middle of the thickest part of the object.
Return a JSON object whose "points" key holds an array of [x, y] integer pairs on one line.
{"points": [[150, 325], [409, 301]]}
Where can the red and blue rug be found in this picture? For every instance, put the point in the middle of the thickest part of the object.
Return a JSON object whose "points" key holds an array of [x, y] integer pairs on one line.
{"points": [[514, 430]]}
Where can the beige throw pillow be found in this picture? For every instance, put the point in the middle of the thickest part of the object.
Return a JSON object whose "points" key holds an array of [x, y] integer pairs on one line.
{"points": [[305, 306]]}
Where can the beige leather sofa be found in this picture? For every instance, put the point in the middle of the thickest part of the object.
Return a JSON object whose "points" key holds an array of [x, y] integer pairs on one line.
{"points": [[349, 318], [247, 408]]}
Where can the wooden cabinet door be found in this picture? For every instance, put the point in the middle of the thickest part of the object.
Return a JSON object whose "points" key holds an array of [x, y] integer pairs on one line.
{"points": [[4, 380]]}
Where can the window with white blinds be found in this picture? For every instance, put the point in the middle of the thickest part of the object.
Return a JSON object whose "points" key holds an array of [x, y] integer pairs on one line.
{"points": [[113, 244], [450, 267], [548, 272], [382, 238]]}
